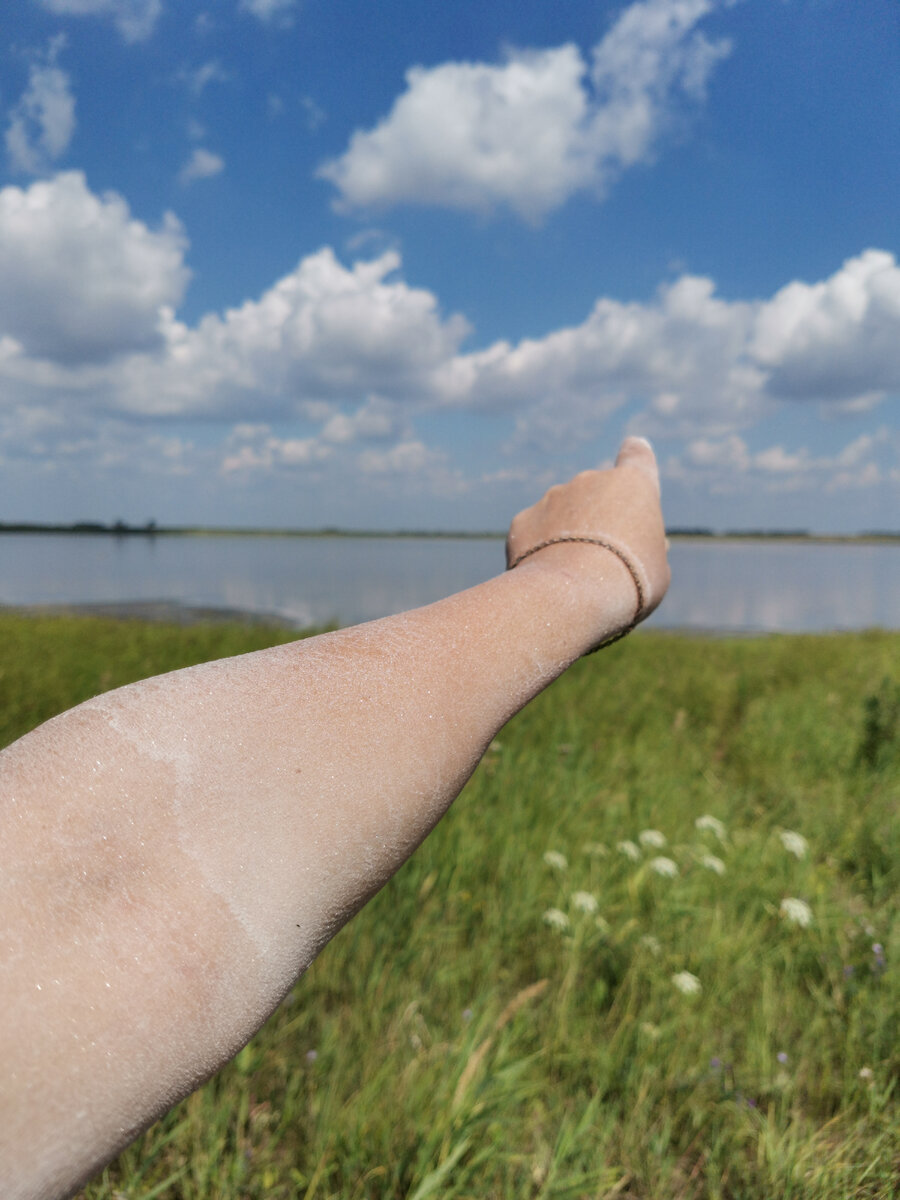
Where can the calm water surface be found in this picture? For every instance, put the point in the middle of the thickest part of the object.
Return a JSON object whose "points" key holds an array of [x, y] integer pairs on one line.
{"points": [[729, 586]]}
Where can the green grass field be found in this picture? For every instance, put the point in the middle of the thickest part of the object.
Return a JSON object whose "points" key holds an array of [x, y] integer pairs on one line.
{"points": [[581, 985]]}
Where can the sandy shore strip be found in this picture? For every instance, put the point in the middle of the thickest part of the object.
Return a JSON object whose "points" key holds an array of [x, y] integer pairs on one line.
{"points": [[169, 612]]}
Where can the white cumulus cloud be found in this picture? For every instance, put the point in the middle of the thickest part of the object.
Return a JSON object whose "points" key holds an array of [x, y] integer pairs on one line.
{"points": [[259, 450], [728, 453], [198, 79], [41, 125], [134, 19], [528, 133], [728, 465], [683, 355], [323, 332], [82, 281], [696, 364], [405, 458], [202, 164], [374, 420], [270, 10], [836, 339]]}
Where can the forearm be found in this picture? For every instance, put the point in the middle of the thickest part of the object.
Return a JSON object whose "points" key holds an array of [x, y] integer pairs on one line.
{"points": [[199, 837]]}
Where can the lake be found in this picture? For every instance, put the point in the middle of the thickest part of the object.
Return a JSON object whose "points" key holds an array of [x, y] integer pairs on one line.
{"points": [[730, 586]]}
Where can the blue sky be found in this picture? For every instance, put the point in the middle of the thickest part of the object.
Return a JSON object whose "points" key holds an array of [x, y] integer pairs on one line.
{"points": [[294, 263]]}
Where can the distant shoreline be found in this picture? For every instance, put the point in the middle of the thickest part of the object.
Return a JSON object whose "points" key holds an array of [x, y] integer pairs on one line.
{"points": [[154, 612], [122, 530], [173, 612]]}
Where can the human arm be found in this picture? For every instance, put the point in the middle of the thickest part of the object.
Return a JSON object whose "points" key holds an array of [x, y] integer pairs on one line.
{"points": [[176, 852]]}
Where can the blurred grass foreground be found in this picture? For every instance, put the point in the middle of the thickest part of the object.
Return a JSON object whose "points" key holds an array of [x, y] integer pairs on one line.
{"points": [[651, 953]]}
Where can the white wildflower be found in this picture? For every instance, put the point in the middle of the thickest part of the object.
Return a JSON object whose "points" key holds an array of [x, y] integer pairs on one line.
{"points": [[664, 866], [585, 902], [629, 849], [649, 942], [713, 824], [556, 919], [687, 984], [558, 861], [652, 838], [866, 1073], [596, 849], [797, 912], [794, 843], [713, 864]]}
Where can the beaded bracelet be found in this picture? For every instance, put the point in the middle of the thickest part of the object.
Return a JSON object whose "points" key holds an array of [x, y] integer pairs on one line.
{"points": [[620, 555]]}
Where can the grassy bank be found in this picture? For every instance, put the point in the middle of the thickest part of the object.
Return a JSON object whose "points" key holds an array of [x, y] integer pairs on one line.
{"points": [[581, 985]]}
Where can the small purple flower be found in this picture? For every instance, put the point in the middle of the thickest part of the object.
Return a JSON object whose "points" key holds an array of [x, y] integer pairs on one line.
{"points": [[467, 1015], [751, 1103], [878, 949], [848, 971], [715, 1063], [312, 1055], [782, 1057]]}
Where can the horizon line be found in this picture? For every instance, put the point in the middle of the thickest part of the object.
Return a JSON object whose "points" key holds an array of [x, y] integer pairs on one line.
{"points": [[121, 528]]}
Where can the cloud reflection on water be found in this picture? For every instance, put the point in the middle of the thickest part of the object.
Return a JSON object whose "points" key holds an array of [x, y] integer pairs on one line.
{"points": [[741, 586]]}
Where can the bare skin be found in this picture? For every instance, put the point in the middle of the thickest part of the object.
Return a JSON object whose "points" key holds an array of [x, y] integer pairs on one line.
{"points": [[176, 852]]}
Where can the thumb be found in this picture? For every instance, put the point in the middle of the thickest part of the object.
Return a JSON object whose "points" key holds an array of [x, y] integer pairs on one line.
{"points": [[637, 452]]}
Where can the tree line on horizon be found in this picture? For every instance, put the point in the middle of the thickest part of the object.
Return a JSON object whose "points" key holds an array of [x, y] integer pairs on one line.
{"points": [[151, 528]]}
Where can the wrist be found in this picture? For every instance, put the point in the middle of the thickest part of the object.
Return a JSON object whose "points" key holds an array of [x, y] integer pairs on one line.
{"points": [[597, 591]]}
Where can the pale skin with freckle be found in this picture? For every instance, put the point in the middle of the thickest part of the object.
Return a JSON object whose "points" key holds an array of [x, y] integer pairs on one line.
{"points": [[176, 852]]}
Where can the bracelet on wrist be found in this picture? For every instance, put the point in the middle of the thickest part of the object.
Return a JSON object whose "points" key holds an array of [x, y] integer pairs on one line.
{"points": [[613, 549]]}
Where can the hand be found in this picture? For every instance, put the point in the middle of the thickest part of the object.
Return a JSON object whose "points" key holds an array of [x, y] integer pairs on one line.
{"points": [[618, 506]]}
